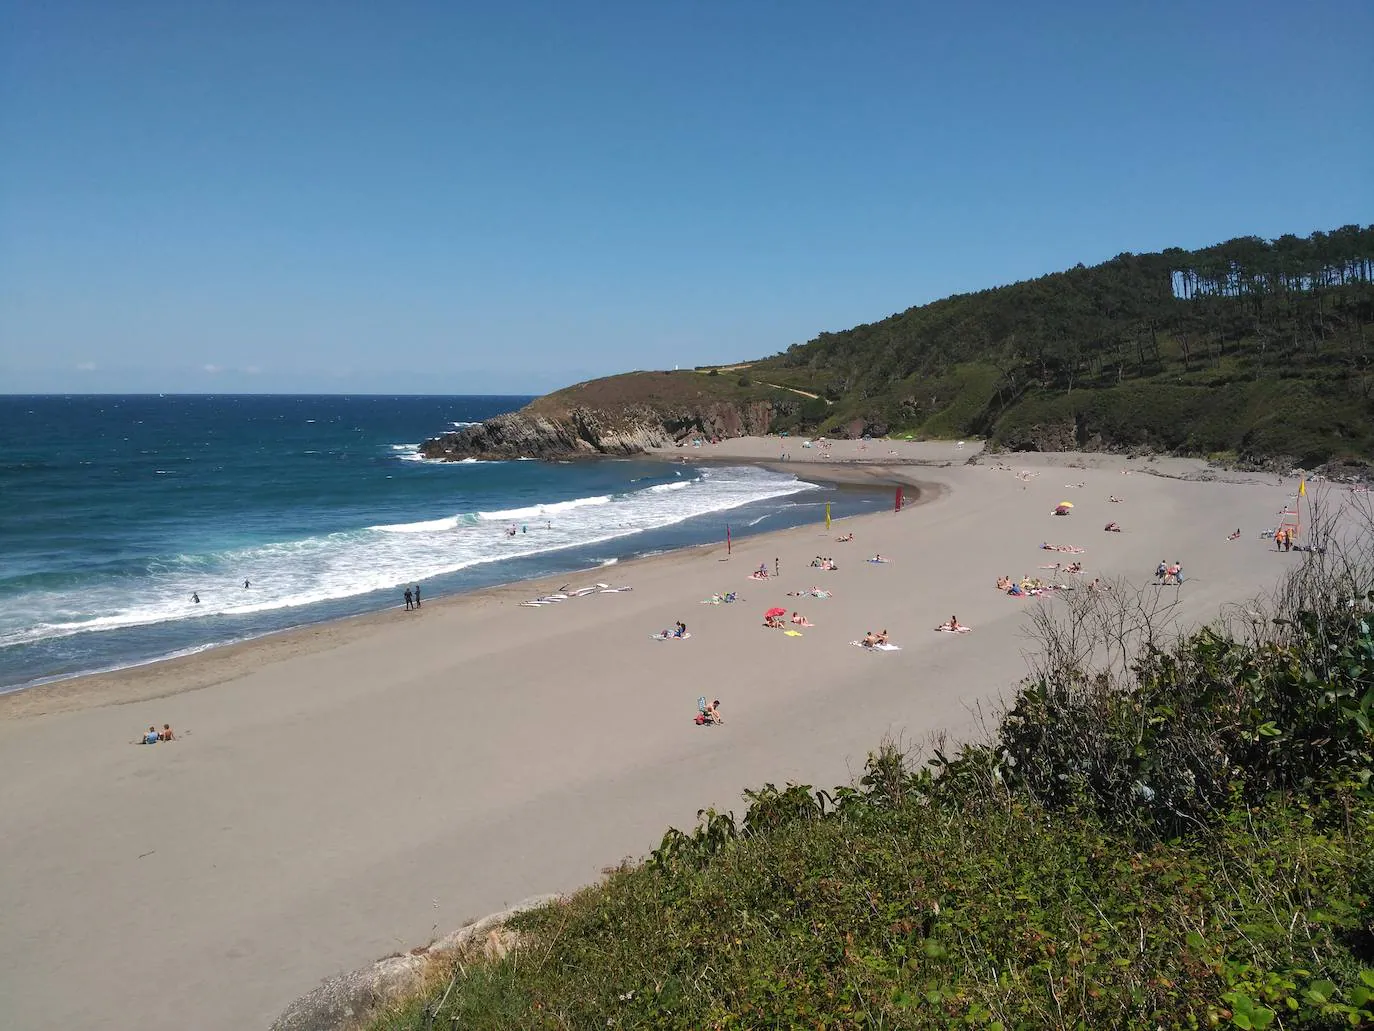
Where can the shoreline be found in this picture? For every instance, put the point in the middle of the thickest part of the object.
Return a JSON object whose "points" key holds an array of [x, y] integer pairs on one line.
{"points": [[208, 665]]}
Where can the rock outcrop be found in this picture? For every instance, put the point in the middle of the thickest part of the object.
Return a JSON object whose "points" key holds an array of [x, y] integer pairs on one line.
{"points": [[587, 431], [347, 1001]]}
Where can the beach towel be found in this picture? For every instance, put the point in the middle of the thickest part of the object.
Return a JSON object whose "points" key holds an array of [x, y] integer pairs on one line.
{"points": [[877, 647], [615, 590], [947, 630], [548, 599], [878, 561], [792, 633], [669, 637], [758, 576]]}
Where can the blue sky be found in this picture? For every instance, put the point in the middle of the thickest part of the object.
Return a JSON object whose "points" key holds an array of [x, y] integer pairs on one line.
{"points": [[446, 197]]}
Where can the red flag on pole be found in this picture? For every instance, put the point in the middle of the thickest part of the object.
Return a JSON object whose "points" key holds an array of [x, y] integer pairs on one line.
{"points": [[899, 500], [727, 538]]}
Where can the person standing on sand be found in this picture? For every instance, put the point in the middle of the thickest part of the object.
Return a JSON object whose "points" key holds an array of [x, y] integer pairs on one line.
{"points": [[776, 567], [417, 596], [410, 600]]}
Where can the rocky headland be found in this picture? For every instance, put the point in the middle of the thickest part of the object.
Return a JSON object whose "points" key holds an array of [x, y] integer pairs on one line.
{"points": [[621, 415]]}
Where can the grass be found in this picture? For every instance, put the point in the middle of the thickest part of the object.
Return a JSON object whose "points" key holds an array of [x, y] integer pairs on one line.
{"points": [[993, 916]]}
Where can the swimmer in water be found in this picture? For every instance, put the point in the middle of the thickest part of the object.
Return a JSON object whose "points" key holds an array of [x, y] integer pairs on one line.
{"points": [[195, 598]]}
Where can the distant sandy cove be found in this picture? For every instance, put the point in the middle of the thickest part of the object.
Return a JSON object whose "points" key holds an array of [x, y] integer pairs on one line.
{"points": [[346, 791]]}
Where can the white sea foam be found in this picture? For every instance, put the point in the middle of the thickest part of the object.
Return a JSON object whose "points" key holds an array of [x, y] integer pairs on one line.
{"points": [[330, 567], [544, 511], [425, 526]]}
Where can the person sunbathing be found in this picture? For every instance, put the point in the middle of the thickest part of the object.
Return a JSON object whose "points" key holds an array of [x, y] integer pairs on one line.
{"points": [[165, 734], [846, 538], [1114, 500], [882, 637], [1076, 567], [1234, 536], [1112, 528], [773, 622], [712, 713], [952, 626], [680, 630], [1003, 582], [870, 639]]}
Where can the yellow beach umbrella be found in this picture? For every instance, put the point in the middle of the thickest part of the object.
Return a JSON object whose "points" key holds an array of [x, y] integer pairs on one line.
{"points": [[1066, 504]]}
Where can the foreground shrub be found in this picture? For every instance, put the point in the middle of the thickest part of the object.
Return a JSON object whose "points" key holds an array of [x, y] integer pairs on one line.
{"points": [[913, 917]]}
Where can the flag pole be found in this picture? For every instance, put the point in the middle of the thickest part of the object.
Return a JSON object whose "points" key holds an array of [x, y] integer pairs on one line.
{"points": [[727, 538]]}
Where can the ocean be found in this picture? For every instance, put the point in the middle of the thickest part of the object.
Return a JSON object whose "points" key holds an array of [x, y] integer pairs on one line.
{"points": [[118, 512]]}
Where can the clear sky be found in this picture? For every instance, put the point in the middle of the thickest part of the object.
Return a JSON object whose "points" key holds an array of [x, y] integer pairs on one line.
{"points": [[448, 197]]}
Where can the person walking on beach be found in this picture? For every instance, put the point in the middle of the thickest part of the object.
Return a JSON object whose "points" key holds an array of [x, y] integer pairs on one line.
{"points": [[417, 596], [776, 569], [410, 600]]}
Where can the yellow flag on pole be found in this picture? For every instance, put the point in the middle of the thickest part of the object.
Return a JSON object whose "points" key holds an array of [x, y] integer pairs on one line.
{"points": [[827, 515], [1302, 488]]}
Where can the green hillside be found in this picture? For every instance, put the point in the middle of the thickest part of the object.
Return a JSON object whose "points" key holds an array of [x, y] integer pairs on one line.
{"points": [[1252, 347]]}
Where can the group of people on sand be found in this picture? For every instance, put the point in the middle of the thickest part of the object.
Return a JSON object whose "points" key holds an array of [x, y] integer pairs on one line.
{"points": [[1169, 572], [872, 640], [709, 715], [824, 562], [1283, 540], [412, 597], [152, 736], [1026, 587], [679, 631]]}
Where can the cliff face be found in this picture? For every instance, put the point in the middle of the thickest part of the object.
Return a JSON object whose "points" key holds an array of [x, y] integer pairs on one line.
{"points": [[586, 431]]}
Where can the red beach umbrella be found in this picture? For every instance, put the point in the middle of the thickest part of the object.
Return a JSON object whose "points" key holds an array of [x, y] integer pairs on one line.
{"points": [[774, 612]]}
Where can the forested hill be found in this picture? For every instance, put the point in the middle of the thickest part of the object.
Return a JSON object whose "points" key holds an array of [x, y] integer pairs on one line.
{"points": [[1256, 348]]}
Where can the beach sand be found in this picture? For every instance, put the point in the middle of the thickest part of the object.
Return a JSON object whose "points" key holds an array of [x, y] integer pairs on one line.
{"points": [[351, 790]]}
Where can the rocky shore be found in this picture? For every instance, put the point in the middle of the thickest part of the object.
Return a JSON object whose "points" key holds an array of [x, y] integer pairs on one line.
{"points": [[586, 431]]}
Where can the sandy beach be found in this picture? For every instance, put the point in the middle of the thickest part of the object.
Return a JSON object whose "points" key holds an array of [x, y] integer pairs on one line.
{"points": [[350, 790]]}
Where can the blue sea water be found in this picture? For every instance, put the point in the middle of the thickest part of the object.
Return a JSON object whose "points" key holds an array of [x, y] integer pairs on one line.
{"points": [[116, 510]]}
